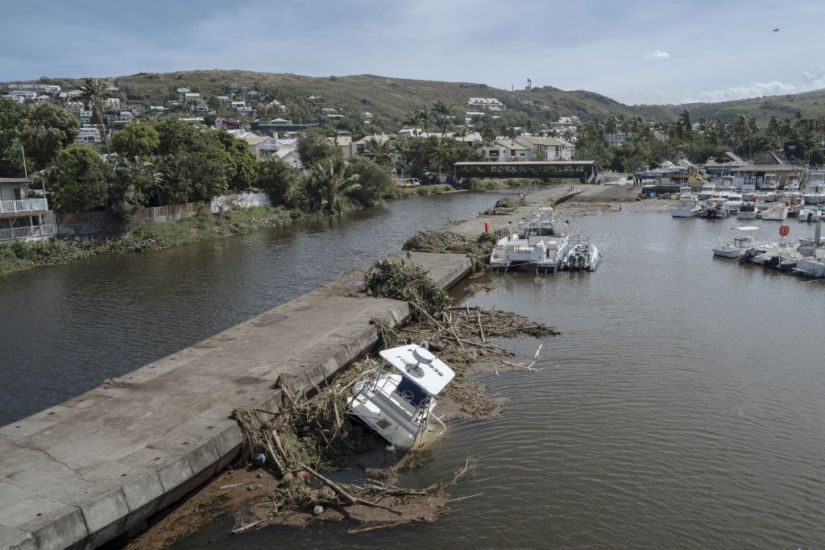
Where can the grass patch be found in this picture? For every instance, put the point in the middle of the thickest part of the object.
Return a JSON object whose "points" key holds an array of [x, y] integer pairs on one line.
{"points": [[143, 237]]}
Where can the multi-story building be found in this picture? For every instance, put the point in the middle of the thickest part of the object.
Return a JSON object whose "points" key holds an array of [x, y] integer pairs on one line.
{"points": [[23, 215]]}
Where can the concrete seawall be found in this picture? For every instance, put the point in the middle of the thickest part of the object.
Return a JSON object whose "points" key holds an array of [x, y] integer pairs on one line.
{"points": [[83, 472]]}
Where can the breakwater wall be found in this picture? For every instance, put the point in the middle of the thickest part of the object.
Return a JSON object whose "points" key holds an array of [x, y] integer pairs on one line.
{"points": [[78, 474]]}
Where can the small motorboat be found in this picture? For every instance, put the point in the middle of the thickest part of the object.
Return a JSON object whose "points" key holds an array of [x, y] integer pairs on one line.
{"points": [[715, 209], [748, 211], [688, 206], [809, 214], [741, 242], [398, 403], [775, 212], [582, 256]]}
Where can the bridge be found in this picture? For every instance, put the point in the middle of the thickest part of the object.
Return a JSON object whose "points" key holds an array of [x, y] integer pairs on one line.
{"points": [[583, 170]]}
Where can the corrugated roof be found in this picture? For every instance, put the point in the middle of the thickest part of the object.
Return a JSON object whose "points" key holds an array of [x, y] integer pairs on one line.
{"points": [[536, 140]]}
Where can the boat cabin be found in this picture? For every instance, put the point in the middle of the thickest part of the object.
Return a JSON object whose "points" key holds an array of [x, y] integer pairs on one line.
{"points": [[398, 403]]}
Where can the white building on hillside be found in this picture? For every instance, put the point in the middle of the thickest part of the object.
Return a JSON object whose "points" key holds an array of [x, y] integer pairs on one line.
{"points": [[549, 148]]}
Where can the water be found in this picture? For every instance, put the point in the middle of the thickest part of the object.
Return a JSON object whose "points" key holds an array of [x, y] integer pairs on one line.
{"points": [[680, 407], [65, 329]]}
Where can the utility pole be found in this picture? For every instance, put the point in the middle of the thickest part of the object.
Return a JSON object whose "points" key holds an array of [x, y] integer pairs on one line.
{"points": [[25, 169]]}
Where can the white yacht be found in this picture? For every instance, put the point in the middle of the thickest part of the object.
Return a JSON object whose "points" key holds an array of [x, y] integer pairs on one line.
{"points": [[794, 201], [398, 403], [775, 212], [747, 211], [742, 241], [715, 209], [539, 245], [708, 190], [809, 214], [688, 206], [814, 193], [733, 202]]}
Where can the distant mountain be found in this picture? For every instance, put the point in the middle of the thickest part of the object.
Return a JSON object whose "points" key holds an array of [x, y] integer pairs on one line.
{"points": [[808, 104], [390, 100]]}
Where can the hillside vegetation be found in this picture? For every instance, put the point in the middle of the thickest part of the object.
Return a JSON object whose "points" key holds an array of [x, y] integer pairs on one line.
{"points": [[392, 99]]}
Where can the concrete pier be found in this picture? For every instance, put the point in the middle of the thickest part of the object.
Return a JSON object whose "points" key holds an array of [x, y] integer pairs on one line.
{"points": [[80, 473]]}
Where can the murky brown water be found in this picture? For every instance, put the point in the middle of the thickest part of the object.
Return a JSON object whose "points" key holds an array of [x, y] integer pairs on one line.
{"points": [[65, 329], [682, 407]]}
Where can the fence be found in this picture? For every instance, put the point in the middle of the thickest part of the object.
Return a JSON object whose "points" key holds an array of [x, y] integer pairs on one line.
{"points": [[28, 232], [240, 200], [23, 205]]}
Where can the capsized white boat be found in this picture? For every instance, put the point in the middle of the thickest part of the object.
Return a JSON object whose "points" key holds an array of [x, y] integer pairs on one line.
{"points": [[741, 242], [398, 403]]}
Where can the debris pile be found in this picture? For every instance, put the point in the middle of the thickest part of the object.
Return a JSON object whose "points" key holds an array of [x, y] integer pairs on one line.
{"points": [[505, 206], [406, 282], [477, 250]]}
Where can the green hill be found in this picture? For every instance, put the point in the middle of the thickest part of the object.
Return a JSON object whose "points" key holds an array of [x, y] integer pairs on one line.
{"points": [[390, 100]]}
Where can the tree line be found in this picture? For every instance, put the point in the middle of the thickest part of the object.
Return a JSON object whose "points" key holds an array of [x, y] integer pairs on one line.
{"points": [[646, 144]]}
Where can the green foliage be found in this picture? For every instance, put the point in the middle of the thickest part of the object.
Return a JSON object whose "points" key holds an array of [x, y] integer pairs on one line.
{"points": [[374, 180], [313, 148], [136, 140], [78, 180], [407, 282], [176, 136], [46, 130], [281, 181], [432, 154], [11, 157], [244, 166], [328, 183]]}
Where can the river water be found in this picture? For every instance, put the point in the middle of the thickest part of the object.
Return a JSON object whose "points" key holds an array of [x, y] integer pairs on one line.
{"points": [[680, 407], [65, 329]]}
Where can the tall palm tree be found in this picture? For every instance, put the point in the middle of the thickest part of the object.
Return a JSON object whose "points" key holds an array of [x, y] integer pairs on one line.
{"points": [[94, 92], [331, 181], [441, 148], [443, 113], [379, 151]]}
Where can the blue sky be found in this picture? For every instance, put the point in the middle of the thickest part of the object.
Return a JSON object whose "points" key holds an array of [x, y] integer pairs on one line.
{"points": [[634, 51]]}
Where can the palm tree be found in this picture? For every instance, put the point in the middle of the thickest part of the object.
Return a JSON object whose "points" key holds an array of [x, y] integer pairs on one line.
{"points": [[94, 92], [379, 151], [443, 113], [329, 179], [441, 148]]}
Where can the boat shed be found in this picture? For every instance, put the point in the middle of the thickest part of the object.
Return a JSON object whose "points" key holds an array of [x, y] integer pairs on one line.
{"points": [[768, 163]]}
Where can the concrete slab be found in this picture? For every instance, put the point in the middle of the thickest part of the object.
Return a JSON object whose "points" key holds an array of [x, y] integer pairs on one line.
{"points": [[82, 472]]}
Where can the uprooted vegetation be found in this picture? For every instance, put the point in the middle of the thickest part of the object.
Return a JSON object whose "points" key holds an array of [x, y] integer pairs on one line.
{"points": [[505, 206], [299, 448], [477, 250]]}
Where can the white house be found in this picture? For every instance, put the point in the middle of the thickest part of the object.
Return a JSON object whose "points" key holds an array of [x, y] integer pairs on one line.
{"points": [[488, 103], [88, 134], [548, 147], [112, 103], [470, 117], [192, 97], [23, 214], [505, 150]]}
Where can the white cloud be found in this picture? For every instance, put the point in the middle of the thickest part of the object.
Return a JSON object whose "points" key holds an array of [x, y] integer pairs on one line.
{"points": [[658, 54], [811, 80]]}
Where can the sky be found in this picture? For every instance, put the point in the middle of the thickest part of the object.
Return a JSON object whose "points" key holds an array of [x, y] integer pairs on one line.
{"points": [[634, 51]]}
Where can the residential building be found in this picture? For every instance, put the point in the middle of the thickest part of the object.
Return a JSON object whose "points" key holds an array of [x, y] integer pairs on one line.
{"points": [[487, 103], [316, 98], [367, 117], [223, 99], [112, 103], [23, 215], [263, 147], [547, 148], [125, 116], [505, 150], [201, 107], [470, 117], [343, 143], [88, 134], [22, 95], [238, 104], [86, 117], [191, 97], [360, 146], [246, 111]]}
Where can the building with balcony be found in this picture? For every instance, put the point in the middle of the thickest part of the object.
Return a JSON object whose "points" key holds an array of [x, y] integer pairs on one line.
{"points": [[23, 216]]}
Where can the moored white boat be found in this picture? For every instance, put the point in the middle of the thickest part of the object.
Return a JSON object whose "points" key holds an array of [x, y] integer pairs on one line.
{"points": [[741, 242], [747, 211], [775, 212], [539, 245], [688, 206], [582, 256]]}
